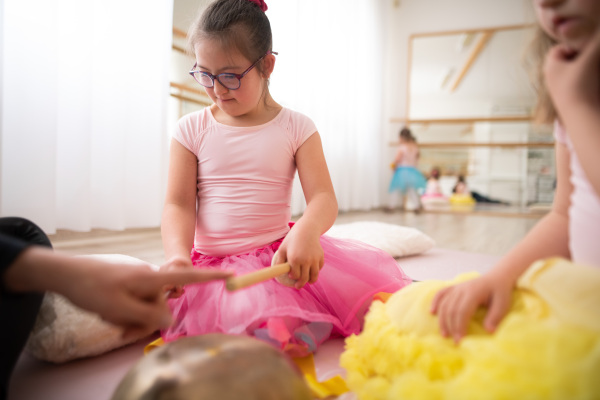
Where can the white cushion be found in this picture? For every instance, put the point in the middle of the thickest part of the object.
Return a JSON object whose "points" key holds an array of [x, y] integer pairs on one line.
{"points": [[398, 241], [64, 332]]}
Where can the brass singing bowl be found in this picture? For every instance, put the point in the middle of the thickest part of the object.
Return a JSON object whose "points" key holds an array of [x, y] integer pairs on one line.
{"points": [[214, 366]]}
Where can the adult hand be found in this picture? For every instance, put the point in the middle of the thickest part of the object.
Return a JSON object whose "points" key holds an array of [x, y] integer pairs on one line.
{"points": [[455, 305], [175, 263], [131, 296], [302, 250]]}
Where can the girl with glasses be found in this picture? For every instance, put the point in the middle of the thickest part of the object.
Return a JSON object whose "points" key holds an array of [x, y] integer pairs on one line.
{"points": [[228, 202]]}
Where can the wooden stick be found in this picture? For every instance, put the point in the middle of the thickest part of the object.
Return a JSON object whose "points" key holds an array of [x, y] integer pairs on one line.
{"points": [[507, 118], [242, 281], [479, 47]]}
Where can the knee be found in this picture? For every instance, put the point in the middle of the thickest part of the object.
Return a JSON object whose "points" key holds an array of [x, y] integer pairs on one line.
{"points": [[25, 230]]}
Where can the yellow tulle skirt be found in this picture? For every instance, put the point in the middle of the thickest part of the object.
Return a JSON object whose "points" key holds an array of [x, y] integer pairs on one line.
{"points": [[547, 347]]}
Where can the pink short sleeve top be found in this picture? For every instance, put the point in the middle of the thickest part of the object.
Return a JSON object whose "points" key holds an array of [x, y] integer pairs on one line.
{"points": [[245, 177], [584, 210], [410, 155]]}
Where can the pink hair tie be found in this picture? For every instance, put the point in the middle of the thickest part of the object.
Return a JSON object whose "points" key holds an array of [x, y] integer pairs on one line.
{"points": [[261, 4]]}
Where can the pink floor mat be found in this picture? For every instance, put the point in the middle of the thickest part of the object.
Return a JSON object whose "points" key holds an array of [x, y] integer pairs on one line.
{"points": [[96, 378]]}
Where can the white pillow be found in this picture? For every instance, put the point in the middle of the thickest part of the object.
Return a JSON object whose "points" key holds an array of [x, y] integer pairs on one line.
{"points": [[396, 240], [64, 332]]}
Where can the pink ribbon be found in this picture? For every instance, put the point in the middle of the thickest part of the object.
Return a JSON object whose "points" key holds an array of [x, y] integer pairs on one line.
{"points": [[261, 4]]}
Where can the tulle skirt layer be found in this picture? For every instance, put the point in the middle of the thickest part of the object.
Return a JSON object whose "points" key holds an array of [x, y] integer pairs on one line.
{"points": [[546, 347], [407, 178], [295, 320]]}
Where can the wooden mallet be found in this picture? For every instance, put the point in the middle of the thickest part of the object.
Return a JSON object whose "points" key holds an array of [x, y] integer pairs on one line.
{"points": [[264, 274]]}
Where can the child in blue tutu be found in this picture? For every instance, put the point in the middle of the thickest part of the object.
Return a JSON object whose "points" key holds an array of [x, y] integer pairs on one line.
{"points": [[407, 181]]}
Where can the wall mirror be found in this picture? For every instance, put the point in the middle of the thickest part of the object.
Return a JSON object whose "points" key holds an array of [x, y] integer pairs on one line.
{"points": [[469, 104]]}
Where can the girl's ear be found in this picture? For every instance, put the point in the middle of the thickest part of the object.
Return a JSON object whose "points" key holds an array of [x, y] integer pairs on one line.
{"points": [[268, 65]]}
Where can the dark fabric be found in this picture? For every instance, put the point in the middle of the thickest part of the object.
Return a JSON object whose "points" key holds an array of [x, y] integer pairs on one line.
{"points": [[484, 199], [18, 311]]}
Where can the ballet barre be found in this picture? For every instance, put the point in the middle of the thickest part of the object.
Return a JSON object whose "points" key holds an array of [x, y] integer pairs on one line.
{"points": [[239, 282]]}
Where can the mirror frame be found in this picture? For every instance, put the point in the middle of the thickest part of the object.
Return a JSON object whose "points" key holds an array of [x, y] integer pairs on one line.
{"points": [[490, 31]]}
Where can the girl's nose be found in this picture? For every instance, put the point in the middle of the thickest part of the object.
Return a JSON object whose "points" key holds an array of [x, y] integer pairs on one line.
{"points": [[218, 88]]}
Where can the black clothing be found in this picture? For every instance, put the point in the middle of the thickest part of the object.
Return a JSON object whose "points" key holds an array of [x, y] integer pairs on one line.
{"points": [[18, 311]]}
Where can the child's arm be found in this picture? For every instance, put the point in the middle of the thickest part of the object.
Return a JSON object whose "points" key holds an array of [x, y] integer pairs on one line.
{"points": [[455, 305], [574, 86], [179, 212], [301, 247], [398, 159]]}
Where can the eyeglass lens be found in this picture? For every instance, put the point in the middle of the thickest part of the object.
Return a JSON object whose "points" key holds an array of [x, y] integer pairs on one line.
{"points": [[230, 81]]}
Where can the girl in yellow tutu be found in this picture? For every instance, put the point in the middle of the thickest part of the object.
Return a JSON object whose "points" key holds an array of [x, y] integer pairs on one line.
{"points": [[569, 36], [530, 327]]}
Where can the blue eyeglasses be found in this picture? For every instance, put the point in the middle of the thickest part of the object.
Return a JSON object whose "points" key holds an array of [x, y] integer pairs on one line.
{"points": [[226, 79]]}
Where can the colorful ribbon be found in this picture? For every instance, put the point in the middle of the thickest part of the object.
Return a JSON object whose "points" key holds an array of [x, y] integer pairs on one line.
{"points": [[261, 4]]}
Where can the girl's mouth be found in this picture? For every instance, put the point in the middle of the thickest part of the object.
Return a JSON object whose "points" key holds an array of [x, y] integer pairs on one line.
{"points": [[565, 25]]}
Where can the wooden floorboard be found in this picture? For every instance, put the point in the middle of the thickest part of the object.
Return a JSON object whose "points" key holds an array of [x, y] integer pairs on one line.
{"points": [[484, 232]]}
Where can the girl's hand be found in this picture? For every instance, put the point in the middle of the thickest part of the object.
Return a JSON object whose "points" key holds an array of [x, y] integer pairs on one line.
{"points": [[303, 251], [176, 263], [572, 78], [456, 305]]}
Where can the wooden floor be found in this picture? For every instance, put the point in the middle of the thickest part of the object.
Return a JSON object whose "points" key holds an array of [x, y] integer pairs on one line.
{"points": [[483, 232]]}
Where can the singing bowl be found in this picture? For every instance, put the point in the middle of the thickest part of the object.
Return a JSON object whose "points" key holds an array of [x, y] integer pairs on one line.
{"points": [[214, 366]]}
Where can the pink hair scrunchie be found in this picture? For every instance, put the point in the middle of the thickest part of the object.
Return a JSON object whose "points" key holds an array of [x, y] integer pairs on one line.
{"points": [[261, 4]]}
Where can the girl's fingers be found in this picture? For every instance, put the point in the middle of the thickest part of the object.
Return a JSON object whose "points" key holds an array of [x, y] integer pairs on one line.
{"points": [[460, 317], [592, 49], [454, 311], [314, 273], [295, 272], [439, 307], [562, 52], [304, 277], [496, 312], [443, 312], [436, 300]]}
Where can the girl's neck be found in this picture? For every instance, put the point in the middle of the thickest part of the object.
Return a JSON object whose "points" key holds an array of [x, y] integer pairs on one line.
{"points": [[265, 111]]}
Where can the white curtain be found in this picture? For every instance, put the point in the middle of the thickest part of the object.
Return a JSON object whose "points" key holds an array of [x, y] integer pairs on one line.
{"points": [[83, 103], [83, 108], [330, 67]]}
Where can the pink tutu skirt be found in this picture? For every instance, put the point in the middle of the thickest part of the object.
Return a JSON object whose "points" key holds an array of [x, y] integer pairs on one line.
{"points": [[294, 320]]}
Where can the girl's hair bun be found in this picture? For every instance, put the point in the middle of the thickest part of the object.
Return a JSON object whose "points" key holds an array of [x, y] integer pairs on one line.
{"points": [[261, 4]]}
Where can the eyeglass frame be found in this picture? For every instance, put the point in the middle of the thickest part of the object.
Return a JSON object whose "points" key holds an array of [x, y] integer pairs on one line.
{"points": [[239, 77]]}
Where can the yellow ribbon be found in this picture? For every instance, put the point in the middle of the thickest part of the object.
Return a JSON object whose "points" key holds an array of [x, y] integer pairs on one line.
{"points": [[152, 345], [331, 387]]}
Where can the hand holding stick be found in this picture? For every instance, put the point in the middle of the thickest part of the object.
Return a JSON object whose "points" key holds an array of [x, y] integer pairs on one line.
{"points": [[242, 281]]}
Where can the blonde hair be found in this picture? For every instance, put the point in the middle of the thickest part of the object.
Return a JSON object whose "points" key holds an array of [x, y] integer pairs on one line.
{"points": [[544, 111]]}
